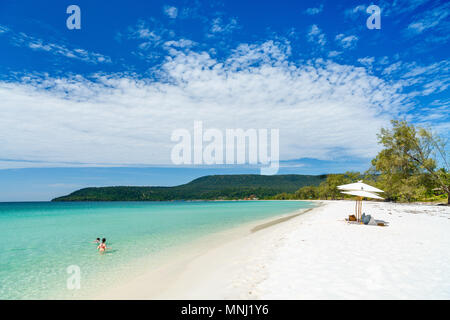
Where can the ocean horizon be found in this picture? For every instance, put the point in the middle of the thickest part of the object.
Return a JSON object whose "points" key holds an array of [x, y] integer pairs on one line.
{"points": [[39, 241]]}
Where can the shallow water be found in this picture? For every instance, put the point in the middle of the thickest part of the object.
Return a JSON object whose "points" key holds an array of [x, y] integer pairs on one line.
{"points": [[39, 241]]}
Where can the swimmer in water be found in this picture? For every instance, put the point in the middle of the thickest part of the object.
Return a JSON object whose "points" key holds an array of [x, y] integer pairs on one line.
{"points": [[97, 241], [102, 246]]}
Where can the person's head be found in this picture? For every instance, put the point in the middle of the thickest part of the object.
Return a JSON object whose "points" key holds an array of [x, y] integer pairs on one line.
{"points": [[98, 239], [104, 240]]}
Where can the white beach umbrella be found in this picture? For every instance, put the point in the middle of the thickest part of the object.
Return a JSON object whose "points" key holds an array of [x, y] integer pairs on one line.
{"points": [[359, 186], [361, 194]]}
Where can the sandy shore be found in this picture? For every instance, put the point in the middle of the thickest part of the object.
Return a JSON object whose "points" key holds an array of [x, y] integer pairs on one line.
{"points": [[314, 255]]}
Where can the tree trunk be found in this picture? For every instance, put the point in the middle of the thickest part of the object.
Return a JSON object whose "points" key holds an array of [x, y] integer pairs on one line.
{"points": [[447, 189]]}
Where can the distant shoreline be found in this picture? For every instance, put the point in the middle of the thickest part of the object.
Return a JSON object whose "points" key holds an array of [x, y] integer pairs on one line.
{"points": [[436, 203], [213, 187]]}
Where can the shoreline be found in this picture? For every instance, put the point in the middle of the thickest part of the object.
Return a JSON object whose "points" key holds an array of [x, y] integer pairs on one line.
{"points": [[176, 260], [279, 220]]}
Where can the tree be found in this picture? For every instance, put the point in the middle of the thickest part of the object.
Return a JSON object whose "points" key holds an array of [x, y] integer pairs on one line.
{"points": [[335, 180], [283, 196], [323, 191], [410, 159], [306, 192], [328, 188]]}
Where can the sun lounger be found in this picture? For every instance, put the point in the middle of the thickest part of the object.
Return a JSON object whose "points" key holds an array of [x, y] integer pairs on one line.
{"points": [[371, 222], [382, 223]]}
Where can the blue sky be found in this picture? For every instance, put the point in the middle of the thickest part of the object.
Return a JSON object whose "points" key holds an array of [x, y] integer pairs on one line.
{"points": [[97, 106]]}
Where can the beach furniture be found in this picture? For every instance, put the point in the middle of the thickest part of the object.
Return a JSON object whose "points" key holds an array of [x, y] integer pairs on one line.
{"points": [[360, 190], [359, 186], [360, 195]]}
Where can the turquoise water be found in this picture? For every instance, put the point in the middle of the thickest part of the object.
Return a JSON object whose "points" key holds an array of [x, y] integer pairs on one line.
{"points": [[38, 241]]}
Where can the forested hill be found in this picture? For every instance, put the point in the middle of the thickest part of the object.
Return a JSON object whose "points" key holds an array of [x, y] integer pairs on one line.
{"points": [[204, 188]]}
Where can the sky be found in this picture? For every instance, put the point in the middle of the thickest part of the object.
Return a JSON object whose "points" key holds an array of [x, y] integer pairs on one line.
{"points": [[97, 105]]}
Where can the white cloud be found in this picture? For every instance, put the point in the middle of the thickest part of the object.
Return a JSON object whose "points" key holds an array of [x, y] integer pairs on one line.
{"points": [[23, 40], [383, 60], [420, 80], [3, 29], [346, 42], [399, 7], [182, 43], [171, 12], [334, 53], [392, 68], [323, 109], [316, 35], [354, 12], [314, 11], [150, 34], [218, 26], [367, 61], [430, 19], [388, 8], [420, 26]]}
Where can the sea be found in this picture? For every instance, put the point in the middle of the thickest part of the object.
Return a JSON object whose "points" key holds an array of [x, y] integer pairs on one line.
{"points": [[48, 249]]}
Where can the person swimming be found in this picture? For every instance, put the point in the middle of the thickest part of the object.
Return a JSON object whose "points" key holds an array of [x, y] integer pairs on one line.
{"points": [[97, 241], [102, 246]]}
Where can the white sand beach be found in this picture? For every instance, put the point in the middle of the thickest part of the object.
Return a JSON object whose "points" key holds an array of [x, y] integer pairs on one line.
{"points": [[316, 255]]}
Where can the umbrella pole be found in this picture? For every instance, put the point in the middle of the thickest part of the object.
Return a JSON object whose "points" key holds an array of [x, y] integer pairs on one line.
{"points": [[360, 208], [357, 217], [357, 208]]}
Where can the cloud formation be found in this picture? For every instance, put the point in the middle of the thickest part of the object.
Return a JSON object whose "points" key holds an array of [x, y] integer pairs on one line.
{"points": [[434, 24], [314, 11], [316, 35], [171, 12], [346, 42], [222, 27], [21, 39], [323, 109]]}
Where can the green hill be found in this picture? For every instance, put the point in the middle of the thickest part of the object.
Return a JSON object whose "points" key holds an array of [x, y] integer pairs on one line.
{"points": [[204, 188]]}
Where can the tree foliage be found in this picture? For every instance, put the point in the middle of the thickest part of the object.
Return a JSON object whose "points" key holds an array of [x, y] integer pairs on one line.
{"points": [[412, 165], [408, 163], [327, 190]]}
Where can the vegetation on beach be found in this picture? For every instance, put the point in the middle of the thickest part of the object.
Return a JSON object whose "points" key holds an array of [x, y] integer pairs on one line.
{"points": [[412, 166], [326, 190]]}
